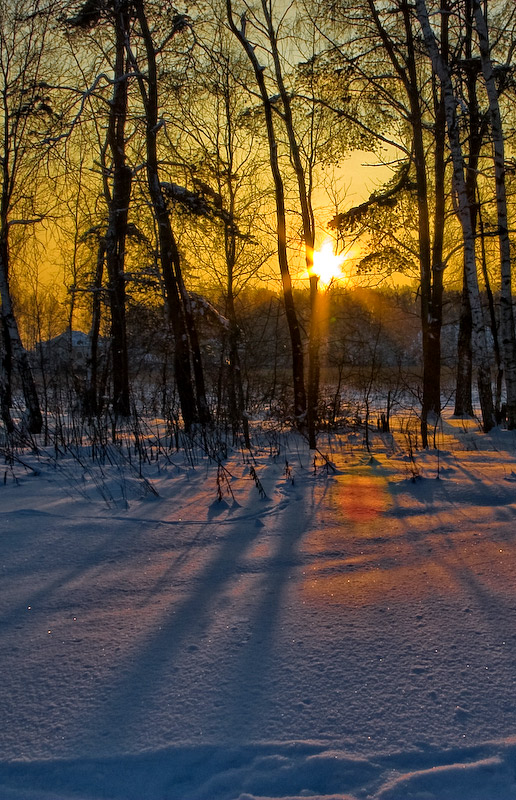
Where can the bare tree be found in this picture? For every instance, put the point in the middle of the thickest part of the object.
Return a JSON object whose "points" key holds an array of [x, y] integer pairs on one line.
{"points": [[116, 180], [430, 252], [441, 69], [222, 157], [239, 30], [24, 107], [392, 100], [497, 137], [187, 356]]}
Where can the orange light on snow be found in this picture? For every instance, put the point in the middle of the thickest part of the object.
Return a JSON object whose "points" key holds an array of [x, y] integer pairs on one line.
{"points": [[362, 498]]}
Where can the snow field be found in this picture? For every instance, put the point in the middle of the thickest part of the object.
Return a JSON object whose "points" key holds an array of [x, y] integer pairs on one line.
{"points": [[350, 635]]}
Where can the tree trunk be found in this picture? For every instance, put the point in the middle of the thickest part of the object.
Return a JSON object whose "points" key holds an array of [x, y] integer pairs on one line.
{"points": [[116, 232], [308, 223], [22, 41], [441, 69], [492, 318], [432, 396], [431, 401], [236, 399], [92, 404], [463, 397], [430, 263], [169, 254], [464, 377], [5, 380], [314, 369], [13, 345], [506, 308], [203, 409], [279, 195], [235, 386]]}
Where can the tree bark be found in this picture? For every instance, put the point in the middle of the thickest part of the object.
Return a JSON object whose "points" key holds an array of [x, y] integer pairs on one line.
{"points": [[115, 237], [450, 103], [169, 254], [497, 138], [430, 263], [281, 229], [308, 223], [236, 399], [11, 151], [34, 418], [5, 380], [432, 396], [464, 376], [493, 322]]}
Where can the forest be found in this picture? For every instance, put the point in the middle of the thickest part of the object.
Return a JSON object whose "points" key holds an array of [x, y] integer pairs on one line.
{"points": [[257, 400], [171, 175]]}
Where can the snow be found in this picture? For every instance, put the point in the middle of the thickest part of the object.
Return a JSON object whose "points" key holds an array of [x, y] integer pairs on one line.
{"points": [[350, 635]]}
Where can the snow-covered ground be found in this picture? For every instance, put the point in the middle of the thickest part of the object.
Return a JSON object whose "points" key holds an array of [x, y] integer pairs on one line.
{"points": [[351, 634]]}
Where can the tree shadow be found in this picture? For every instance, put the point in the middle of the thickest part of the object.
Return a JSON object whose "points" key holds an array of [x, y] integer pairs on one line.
{"points": [[147, 677], [248, 703]]}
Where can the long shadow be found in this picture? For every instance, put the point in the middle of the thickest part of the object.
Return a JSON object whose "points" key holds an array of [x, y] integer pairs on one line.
{"points": [[249, 678], [141, 680], [500, 611], [86, 557], [446, 552], [236, 515], [89, 557], [487, 493]]}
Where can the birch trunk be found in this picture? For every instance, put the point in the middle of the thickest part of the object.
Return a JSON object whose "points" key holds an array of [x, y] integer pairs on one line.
{"points": [[430, 262], [506, 307], [17, 89], [433, 359], [441, 69], [33, 416]]}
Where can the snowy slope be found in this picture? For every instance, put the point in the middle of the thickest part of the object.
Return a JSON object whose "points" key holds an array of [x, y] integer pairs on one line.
{"points": [[352, 634]]}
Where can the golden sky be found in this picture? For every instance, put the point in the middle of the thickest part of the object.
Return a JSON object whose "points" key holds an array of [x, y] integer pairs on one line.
{"points": [[354, 180]]}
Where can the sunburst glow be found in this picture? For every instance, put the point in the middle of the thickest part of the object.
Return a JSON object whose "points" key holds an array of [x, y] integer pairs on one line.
{"points": [[327, 266]]}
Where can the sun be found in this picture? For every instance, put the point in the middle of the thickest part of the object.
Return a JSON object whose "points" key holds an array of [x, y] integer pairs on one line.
{"points": [[327, 266]]}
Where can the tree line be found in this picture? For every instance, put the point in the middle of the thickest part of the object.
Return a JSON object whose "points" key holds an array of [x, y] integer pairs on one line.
{"points": [[168, 157]]}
